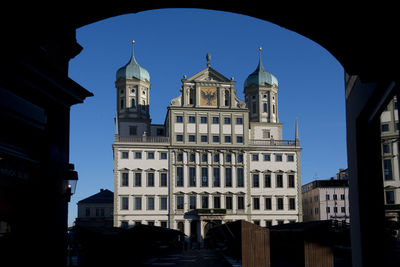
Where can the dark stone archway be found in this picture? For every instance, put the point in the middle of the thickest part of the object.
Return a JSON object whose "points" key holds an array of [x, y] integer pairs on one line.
{"points": [[37, 44]]}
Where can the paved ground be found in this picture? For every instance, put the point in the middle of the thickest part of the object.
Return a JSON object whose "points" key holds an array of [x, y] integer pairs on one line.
{"points": [[192, 258]]}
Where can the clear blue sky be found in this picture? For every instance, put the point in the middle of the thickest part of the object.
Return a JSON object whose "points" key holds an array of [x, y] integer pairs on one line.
{"points": [[171, 43]]}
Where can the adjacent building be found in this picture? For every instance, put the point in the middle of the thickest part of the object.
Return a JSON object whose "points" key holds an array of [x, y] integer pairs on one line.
{"points": [[97, 210], [215, 159], [390, 159], [326, 200]]}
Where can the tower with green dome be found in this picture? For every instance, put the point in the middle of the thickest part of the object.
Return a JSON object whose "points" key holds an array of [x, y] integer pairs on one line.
{"points": [[133, 99], [261, 93]]}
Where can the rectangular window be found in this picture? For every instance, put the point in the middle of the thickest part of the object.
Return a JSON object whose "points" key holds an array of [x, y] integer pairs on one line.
{"points": [[228, 158], [179, 157], [204, 176], [327, 197], [192, 157], [389, 197], [254, 157], [192, 202], [386, 148], [215, 120], [291, 180], [342, 209], [216, 158], [267, 157], [328, 209], [179, 202], [385, 127], [240, 158], [179, 176], [227, 138], [240, 203], [150, 203], [228, 177], [268, 203], [216, 179], [132, 130], [204, 138], [150, 179], [290, 158], [163, 155], [204, 202], [125, 179], [256, 203], [216, 138], [334, 196], [228, 203], [138, 203], [138, 155], [239, 120], [279, 180], [150, 155], [279, 203], [387, 166], [192, 176], [163, 203], [87, 212], [217, 202], [266, 134], [179, 118], [292, 203], [227, 120], [163, 179], [278, 157], [100, 212], [267, 180], [159, 131], [125, 155], [256, 180], [192, 138], [138, 179], [239, 139], [203, 119], [163, 224], [192, 119], [179, 138], [204, 157], [240, 177], [342, 196]]}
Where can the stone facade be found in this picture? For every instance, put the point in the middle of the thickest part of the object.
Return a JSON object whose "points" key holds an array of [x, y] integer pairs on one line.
{"points": [[216, 158]]}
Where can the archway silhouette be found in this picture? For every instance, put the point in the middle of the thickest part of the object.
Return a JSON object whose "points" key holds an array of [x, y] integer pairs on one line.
{"points": [[38, 67]]}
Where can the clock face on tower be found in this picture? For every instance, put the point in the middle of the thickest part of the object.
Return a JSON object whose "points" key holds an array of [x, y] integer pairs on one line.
{"points": [[208, 97]]}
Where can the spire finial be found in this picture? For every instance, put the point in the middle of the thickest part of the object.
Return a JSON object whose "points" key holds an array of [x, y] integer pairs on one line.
{"points": [[133, 42], [208, 57]]}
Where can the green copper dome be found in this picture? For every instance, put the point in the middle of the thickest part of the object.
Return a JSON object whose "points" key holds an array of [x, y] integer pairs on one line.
{"points": [[133, 69], [260, 76]]}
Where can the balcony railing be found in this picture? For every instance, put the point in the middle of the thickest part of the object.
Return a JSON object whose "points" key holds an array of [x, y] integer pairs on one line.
{"points": [[271, 142], [142, 139]]}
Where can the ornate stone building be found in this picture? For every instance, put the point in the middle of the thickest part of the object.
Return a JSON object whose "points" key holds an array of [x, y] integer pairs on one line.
{"points": [[215, 159]]}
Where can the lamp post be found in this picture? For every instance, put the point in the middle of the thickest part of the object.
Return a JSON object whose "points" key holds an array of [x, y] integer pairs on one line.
{"points": [[71, 179]]}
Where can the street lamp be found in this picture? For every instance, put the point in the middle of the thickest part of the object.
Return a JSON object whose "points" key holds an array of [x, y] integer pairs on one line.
{"points": [[71, 179]]}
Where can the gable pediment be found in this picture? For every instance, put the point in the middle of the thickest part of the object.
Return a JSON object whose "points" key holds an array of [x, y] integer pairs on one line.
{"points": [[208, 75]]}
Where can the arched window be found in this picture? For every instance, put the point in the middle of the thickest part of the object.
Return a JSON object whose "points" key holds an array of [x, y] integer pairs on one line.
{"points": [[133, 103], [265, 107], [122, 104]]}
